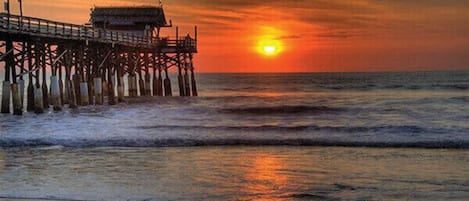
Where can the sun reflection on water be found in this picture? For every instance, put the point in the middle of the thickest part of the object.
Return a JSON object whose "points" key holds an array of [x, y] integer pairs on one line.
{"points": [[264, 177]]}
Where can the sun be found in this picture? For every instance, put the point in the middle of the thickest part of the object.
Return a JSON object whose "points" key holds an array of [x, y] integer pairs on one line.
{"points": [[270, 49], [269, 46]]}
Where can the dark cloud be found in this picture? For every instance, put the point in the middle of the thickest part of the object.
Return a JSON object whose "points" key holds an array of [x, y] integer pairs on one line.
{"points": [[340, 34], [289, 37]]}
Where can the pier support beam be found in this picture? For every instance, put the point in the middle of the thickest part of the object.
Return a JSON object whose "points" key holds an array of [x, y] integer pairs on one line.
{"points": [[167, 87], [120, 89], [70, 97], [104, 84], [147, 85], [132, 85], [76, 86], [90, 92], [17, 108], [38, 104], [30, 93], [45, 90], [84, 93], [98, 90], [6, 87], [61, 87], [70, 94], [141, 85], [111, 88], [167, 83], [187, 87], [55, 93], [180, 79], [193, 83], [21, 87], [30, 98], [159, 79]]}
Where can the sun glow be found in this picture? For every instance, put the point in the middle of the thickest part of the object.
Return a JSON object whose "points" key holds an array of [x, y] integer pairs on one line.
{"points": [[269, 42]]}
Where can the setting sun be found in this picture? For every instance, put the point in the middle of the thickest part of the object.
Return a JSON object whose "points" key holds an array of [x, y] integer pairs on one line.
{"points": [[269, 47], [270, 50]]}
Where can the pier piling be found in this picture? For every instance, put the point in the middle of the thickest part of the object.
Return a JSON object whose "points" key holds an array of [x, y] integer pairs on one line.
{"points": [[55, 93], [38, 104], [84, 95], [17, 109], [6, 87], [98, 90]]}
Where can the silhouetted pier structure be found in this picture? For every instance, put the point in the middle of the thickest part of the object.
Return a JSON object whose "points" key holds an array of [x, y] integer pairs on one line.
{"points": [[89, 62]]}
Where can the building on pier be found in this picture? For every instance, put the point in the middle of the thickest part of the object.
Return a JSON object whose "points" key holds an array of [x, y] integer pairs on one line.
{"points": [[142, 21]]}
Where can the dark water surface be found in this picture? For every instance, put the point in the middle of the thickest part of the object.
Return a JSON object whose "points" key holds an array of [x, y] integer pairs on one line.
{"points": [[149, 148]]}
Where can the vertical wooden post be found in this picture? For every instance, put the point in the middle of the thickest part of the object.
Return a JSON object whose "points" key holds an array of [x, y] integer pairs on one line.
{"points": [[17, 108], [98, 90], [78, 76], [30, 98], [6, 86], [141, 82], [120, 78], [167, 82], [76, 85], [45, 91], [155, 78], [54, 83], [186, 83], [104, 75], [55, 92], [180, 79], [147, 75], [84, 93], [131, 76], [69, 85], [21, 80], [10, 62], [193, 82], [61, 84], [38, 99], [111, 80], [131, 83], [159, 83], [187, 87], [92, 70]]}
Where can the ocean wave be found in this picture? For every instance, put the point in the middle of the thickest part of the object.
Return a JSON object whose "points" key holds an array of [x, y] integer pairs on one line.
{"points": [[183, 142], [462, 99], [396, 87], [336, 129], [295, 109]]}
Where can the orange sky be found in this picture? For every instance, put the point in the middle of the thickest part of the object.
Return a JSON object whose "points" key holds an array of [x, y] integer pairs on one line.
{"points": [[315, 35]]}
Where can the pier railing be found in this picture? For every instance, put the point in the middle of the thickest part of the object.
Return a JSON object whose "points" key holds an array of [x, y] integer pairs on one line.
{"points": [[40, 27]]}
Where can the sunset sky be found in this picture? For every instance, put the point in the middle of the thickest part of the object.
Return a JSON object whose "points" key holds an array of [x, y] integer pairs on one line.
{"points": [[305, 35]]}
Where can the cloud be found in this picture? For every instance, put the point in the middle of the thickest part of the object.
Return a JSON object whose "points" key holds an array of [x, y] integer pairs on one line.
{"points": [[289, 37]]}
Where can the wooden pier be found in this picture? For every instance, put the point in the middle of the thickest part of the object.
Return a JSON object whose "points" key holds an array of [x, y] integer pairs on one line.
{"points": [[87, 63]]}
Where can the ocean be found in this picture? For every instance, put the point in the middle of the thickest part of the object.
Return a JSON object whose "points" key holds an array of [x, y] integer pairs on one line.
{"points": [[274, 136]]}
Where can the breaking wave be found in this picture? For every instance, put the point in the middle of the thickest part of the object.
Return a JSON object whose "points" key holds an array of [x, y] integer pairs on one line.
{"points": [[281, 110]]}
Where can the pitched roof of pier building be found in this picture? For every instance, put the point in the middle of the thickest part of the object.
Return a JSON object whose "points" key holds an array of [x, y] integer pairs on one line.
{"points": [[128, 18]]}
